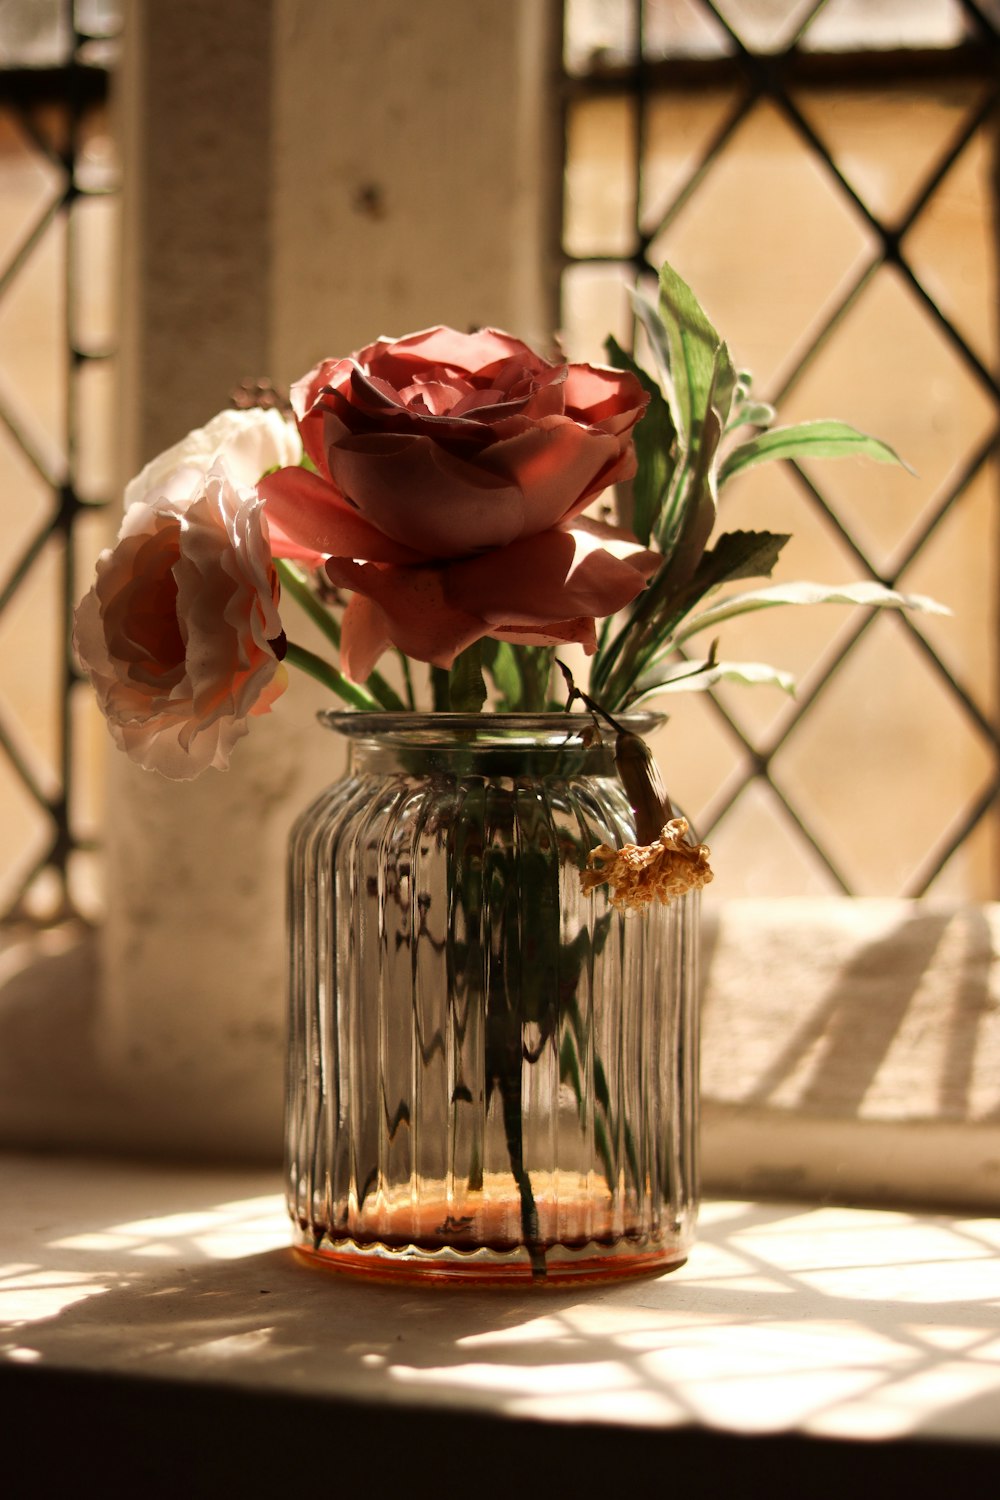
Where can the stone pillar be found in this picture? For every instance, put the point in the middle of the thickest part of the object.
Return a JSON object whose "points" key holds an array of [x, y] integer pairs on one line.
{"points": [[299, 178]]}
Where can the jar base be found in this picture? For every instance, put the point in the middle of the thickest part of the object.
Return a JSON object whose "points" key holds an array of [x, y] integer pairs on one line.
{"points": [[557, 1266]]}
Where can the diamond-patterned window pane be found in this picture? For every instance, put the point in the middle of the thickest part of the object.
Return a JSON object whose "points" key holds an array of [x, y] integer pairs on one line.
{"points": [[601, 208], [825, 176], [886, 368], [682, 28], [767, 25], [30, 680], [952, 248], [882, 139], [764, 193], [843, 24], [57, 283], [35, 33], [966, 643], [599, 32]]}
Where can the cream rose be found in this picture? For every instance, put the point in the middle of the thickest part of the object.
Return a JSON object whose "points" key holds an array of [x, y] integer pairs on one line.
{"points": [[249, 443], [180, 634]]}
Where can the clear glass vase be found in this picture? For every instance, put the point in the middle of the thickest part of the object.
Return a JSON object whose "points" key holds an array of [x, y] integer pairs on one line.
{"points": [[492, 1076]]}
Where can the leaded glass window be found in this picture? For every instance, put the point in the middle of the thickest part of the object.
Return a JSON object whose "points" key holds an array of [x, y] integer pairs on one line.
{"points": [[824, 176]]}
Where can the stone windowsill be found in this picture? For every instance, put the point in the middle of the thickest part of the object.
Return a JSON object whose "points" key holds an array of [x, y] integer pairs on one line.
{"points": [[156, 1329], [851, 1050]]}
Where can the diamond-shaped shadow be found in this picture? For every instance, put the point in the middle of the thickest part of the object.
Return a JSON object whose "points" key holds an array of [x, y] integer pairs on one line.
{"points": [[770, 240], [885, 763], [888, 369]]}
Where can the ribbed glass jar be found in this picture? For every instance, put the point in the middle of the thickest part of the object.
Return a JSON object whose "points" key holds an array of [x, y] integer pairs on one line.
{"points": [[492, 1076]]}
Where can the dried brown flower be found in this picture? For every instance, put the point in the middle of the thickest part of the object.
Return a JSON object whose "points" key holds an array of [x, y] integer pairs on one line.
{"points": [[641, 873], [261, 392]]}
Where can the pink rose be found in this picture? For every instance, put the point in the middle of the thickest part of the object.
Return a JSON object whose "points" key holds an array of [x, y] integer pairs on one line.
{"points": [[452, 473], [180, 634]]}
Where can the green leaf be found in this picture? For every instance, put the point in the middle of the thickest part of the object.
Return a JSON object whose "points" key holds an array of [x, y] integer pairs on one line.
{"points": [[659, 344], [697, 676], [699, 359], [738, 554], [534, 665], [684, 528], [870, 595], [440, 690], [687, 520], [500, 660], [825, 439], [654, 439], [751, 414]]}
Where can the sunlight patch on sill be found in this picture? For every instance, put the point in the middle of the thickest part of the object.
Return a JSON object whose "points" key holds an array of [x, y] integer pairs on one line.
{"points": [[33, 1294], [227, 1231]]}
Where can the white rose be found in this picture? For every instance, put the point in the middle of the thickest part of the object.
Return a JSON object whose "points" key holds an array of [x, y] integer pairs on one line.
{"points": [[249, 443]]}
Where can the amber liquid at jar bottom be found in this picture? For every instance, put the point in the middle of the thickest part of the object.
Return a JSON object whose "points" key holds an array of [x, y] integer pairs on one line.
{"points": [[492, 1077]]}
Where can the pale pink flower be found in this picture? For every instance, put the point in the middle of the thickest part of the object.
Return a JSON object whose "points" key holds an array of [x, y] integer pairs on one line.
{"points": [[247, 442], [180, 634]]}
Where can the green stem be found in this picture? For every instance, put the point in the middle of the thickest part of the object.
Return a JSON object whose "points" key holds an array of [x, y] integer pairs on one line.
{"points": [[308, 661], [296, 582], [411, 701], [441, 689], [535, 663], [466, 685]]}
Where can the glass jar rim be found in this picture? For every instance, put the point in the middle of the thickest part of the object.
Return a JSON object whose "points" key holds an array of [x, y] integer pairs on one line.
{"points": [[555, 728]]}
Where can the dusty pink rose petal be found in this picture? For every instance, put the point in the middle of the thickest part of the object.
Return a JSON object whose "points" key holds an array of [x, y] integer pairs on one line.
{"points": [[540, 591], [405, 607], [453, 508], [472, 456], [580, 632], [180, 634], [586, 569], [322, 523]]}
